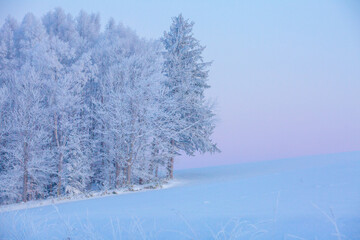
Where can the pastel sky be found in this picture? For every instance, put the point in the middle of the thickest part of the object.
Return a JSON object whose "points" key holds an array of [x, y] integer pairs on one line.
{"points": [[286, 74]]}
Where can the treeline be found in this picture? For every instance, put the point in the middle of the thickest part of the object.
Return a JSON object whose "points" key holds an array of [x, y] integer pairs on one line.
{"points": [[83, 109]]}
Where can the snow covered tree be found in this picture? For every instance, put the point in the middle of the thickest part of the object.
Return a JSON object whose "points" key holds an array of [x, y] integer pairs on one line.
{"points": [[130, 75], [87, 110], [111, 54], [67, 103], [187, 75], [29, 134], [8, 62]]}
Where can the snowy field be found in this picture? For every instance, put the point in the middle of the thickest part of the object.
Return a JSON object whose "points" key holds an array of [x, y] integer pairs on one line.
{"points": [[303, 198]]}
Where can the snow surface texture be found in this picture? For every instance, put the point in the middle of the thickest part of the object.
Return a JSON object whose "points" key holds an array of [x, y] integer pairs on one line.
{"points": [[303, 198]]}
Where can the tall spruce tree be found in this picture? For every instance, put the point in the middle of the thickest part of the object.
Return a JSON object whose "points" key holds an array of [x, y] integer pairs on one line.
{"points": [[187, 75]]}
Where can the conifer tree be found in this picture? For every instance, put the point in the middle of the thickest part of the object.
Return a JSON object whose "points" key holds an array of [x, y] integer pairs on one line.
{"points": [[187, 75]]}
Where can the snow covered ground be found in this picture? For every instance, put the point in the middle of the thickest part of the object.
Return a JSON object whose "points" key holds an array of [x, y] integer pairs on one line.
{"points": [[304, 198]]}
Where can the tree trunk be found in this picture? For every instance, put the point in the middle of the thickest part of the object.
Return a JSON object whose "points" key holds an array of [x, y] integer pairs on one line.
{"points": [[171, 163], [60, 154], [25, 180], [117, 175], [110, 181], [151, 171], [32, 191], [171, 168], [59, 174], [153, 163], [124, 172], [156, 171], [128, 172], [129, 163]]}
